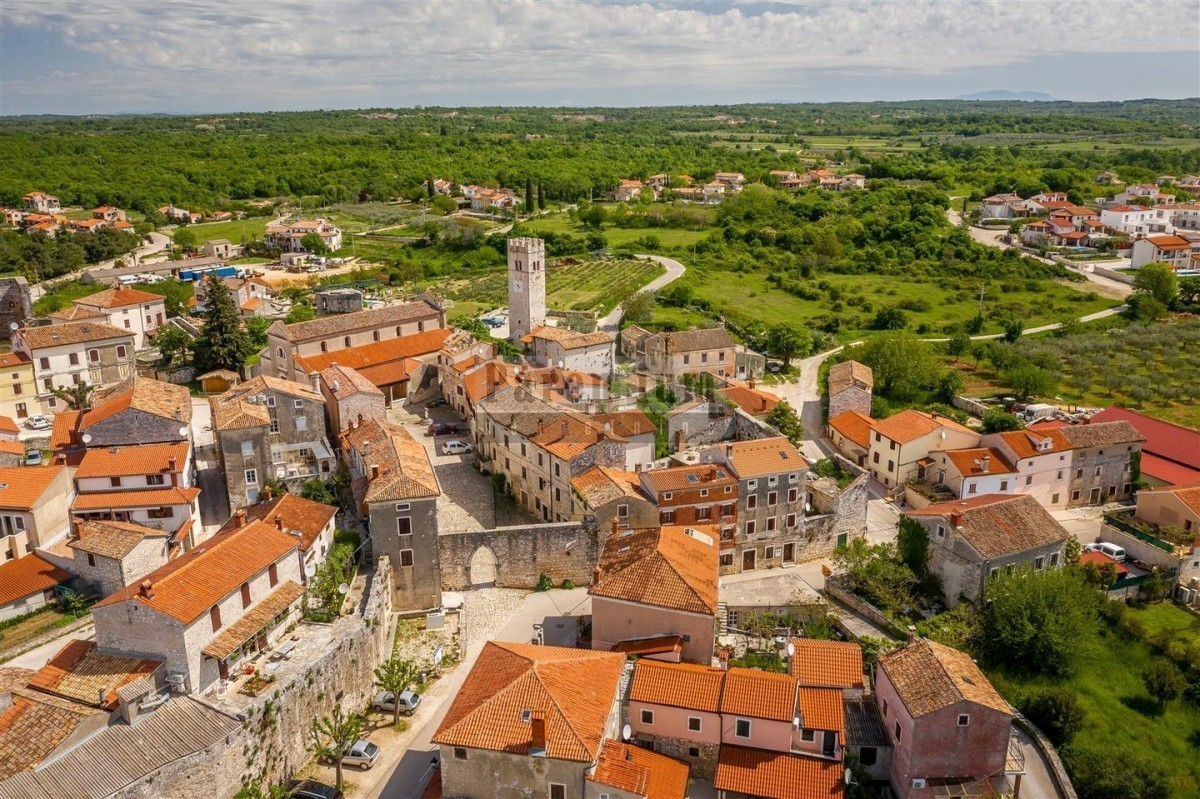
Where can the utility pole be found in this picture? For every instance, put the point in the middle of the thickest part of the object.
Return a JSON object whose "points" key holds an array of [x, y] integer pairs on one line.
{"points": [[981, 286]]}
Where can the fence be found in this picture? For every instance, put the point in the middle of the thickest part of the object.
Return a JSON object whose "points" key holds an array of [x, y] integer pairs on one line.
{"points": [[1113, 520]]}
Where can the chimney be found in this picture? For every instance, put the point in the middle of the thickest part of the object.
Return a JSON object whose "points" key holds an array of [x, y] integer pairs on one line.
{"points": [[752, 382], [374, 471], [360, 421], [615, 524], [637, 468], [267, 493], [956, 520], [985, 462], [596, 574], [76, 526], [565, 427], [537, 732], [315, 377], [912, 633], [279, 523], [723, 655], [145, 590], [239, 518], [729, 453]]}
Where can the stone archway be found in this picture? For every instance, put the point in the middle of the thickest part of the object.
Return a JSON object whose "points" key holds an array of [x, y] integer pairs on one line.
{"points": [[483, 567]]}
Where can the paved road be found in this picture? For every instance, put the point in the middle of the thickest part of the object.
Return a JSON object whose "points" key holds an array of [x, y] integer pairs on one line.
{"points": [[36, 658], [675, 270]]}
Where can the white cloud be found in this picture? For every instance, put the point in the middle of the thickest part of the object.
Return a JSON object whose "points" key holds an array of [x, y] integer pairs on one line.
{"points": [[418, 51]]}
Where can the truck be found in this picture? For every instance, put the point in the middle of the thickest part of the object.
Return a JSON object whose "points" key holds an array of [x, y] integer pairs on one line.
{"points": [[200, 274]]}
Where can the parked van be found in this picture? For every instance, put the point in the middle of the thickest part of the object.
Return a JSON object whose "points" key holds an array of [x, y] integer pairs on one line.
{"points": [[1032, 413], [1112, 550]]}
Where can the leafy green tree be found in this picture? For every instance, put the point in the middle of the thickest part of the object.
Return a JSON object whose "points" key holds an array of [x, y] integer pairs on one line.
{"points": [[1164, 681], [786, 341], [300, 312], [395, 675], [1013, 329], [912, 544], [901, 362], [1189, 290], [875, 572], [1056, 712], [333, 735], [959, 344], [1114, 773], [949, 385], [184, 238], [441, 204], [172, 343], [318, 491], [1028, 380], [594, 217], [596, 241], [996, 420], [639, 309], [783, 417], [256, 328], [889, 319], [78, 396], [176, 294], [1158, 281], [313, 243], [223, 342]]}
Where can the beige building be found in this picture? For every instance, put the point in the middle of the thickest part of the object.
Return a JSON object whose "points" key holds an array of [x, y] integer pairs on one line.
{"points": [[75, 352], [289, 237], [312, 523], [150, 485], [349, 396], [850, 432], [35, 507], [563, 348], [1171, 506], [1042, 459], [901, 445], [18, 389]]}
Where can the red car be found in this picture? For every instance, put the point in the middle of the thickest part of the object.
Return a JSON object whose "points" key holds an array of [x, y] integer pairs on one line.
{"points": [[441, 429]]}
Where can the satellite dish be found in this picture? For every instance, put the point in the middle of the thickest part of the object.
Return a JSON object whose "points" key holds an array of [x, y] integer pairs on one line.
{"points": [[13, 325], [183, 430], [626, 732], [87, 438], [309, 570], [791, 649], [343, 589]]}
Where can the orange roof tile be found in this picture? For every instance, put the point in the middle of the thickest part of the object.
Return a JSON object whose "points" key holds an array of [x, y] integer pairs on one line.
{"points": [[22, 486], [149, 498], [33, 727], [667, 567], [854, 426], [571, 690], [28, 575], [759, 694], [254, 620], [9, 360], [1189, 495], [683, 685], [640, 772], [627, 423], [387, 374], [928, 676], [969, 462], [657, 645], [188, 586], [753, 401], [378, 352], [996, 525], [822, 709], [764, 456], [775, 775], [1031, 443], [404, 468], [676, 478], [75, 313], [295, 513], [909, 425], [601, 485], [832, 664], [12, 448], [71, 333], [123, 461], [7, 425], [79, 673], [343, 381], [61, 434], [570, 435], [156, 397]]}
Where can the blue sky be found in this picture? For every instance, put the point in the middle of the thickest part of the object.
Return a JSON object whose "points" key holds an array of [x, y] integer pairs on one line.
{"points": [[113, 56]]}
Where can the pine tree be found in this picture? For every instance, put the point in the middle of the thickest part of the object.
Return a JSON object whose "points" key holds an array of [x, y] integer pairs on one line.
{"points": [[429, 187], [529, 195], [223, 342], [541, 199]]}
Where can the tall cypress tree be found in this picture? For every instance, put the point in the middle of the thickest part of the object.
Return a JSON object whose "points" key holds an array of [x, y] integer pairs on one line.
{"points": [[529, 195], [223, 342], [429, 187], [541, 199]]}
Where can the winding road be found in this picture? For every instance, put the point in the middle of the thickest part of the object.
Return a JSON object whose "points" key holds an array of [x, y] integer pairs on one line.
{"points": [[612, 322]]}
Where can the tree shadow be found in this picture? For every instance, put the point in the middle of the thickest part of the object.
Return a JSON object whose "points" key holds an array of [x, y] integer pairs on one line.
{"points": [[1194, 739], [1144, 705]]}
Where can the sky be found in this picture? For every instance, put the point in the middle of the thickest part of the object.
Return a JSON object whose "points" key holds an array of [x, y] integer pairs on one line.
{"points": [[182, 56]]}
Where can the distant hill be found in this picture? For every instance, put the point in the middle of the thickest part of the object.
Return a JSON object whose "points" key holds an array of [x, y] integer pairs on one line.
{"points": [[1004, 94]]}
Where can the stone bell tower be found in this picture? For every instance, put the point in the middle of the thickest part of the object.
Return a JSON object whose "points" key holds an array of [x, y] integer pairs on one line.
{"points": [[526, 287]]}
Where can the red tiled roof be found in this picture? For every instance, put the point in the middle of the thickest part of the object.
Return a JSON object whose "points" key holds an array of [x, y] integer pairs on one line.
{"points": [[28, 575], [684, 685], [640, 772], [378, 352], [149, 498], [854, 426], [118, 298], [1189, 495], [1170, 442], [928, 676], [822, 709], [122, 461], [776, 775], [909, 425], [764, 456], [297, 514], [658, 645], [759, 694], [79, 673], [820, 664], [22, 486], [969, 462], [1100, 559], [7, 425], [751, 400], [999, 524], [665, 567], [706, 475]]}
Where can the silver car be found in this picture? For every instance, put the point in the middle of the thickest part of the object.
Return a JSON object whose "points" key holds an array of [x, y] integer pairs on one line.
{"points": [[409, 701], [363, 755]]}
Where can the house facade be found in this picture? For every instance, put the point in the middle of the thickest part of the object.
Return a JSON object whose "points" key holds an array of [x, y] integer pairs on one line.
{"points": [[560, 347], [138, 312], [110, 555], [290, 236], [703, 494], [850, 388], [672, 355], [1101, 461], [901, 445], [18, 388], [151, 485], [35, 506], [76, 352]]}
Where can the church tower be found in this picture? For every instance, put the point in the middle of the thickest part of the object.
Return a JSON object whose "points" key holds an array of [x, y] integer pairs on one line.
{"points": [[526, 287]]}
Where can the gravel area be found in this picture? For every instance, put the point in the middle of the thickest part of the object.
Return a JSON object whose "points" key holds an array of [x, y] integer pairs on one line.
{"points": [[486, 612]]}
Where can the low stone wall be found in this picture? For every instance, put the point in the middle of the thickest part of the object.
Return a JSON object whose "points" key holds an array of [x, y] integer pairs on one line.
{"points": [[564, 551], [863, 608], [1058, 772], [915, 499], [1112, 274]]}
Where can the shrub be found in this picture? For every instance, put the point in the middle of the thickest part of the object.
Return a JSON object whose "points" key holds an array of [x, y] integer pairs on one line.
{"points": [[1056, 712], [544, 583]]}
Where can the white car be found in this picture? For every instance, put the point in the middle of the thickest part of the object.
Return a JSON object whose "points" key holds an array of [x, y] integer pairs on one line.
{"points": [[456, 447], [37, 423], [363, 754], [386, 701]]}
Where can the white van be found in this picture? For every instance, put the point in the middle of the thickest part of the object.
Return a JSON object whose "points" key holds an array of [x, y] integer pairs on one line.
{"points": [[1112, 550]]}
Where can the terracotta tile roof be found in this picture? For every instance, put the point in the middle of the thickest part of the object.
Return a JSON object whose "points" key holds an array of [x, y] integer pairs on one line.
{"points": [[854, 426], [78, 672], [1163, 439], [71, 333], [156, 397], [344, 381], [9, 360], [764, 456], [928, 676], [675, 478], [62, 433], [297, 514], [21, 487], [909, 425], [28, 575], [683, 685], [12, 448], [234, 409], [571, 690], [327, 326], [775, 775], [388, 374], [626, 423], [488, 379], [7, 425], [254, 620], [570, 434], [118, 298], [123, 461], [149, 498], [111, 539], [832, 664], [188, 586], [1189, 495], [759, 694], [33, 727], [1031, 443], [640, 772], [850, 373], [668, 567], [969, 462], [601, 485], [999, 524], [821, 709], [657, 645], [1100, 559], [753, 401], [568, 338], [377, 352], [76, 313], [404, 468]]}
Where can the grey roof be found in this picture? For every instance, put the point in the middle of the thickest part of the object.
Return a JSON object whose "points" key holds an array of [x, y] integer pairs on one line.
{"points": [[519, 409], [1104, 434], [864, 727], [372, 318], [121, 754], [850, 373]]}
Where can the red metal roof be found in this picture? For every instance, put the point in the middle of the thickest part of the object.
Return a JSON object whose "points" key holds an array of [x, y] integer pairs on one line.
{"points": [[1168, 443]]}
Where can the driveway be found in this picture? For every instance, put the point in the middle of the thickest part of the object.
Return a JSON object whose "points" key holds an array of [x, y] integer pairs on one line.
{"points": [[675, 270]]}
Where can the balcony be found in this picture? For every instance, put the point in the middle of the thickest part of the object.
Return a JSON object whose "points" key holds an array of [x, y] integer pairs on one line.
{"points": [[299, 461]]}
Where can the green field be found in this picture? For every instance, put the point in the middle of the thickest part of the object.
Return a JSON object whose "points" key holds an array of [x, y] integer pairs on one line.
{"points": [[669, 238], [63, 295], [238, 231]]}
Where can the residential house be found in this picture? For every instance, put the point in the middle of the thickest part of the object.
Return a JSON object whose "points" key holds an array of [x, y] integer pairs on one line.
{"points": [[1180, 251], [110, 555], [151, 485], [1170, 452], [631, 772], [816, 663], [18, 388], [850, 432], [613, 498], [853, 181], [289, 236], [396, 491], [1146, 191], [1136, 220], [267, 428], [972, 540], [562, 347], [1041, 460], [109, 214], [950, 729], [973, 472], [769, 526], [747, 773], [628, 190], [636, 429], [1007, 206], [1101, 460], [329, 301], [312, 523], [180, 215], [333, 333], [75, 352], [140, 312], [672, 355], [348, 396], [1165, 534], [901, 445], [205, 612], [747, 396], [440, 186], [850, 385], [221, 248], [735, 181], [28, 583], [400, 368], [139, 410], [250, 294], [699, 494], [712, 192], [34, 509], [1171, 506], [38, 202], [654, 594], [1184, 216], [675, 710], [530, 722]]}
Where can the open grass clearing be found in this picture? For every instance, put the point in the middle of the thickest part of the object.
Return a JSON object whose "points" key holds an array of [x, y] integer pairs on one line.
{"points": [[668, 238], [238, 231]]}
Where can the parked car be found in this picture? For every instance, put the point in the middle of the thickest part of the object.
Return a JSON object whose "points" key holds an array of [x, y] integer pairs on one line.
{"points": [[409, 701], [1112, 550], [363, 755], [456, 447], [33, 457], [492, 321], [774, 366], [442, 429], [311, 789], [37, 423]]}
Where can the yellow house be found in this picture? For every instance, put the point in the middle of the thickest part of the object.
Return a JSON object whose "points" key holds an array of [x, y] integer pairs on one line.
{"points": [[18, 392]]}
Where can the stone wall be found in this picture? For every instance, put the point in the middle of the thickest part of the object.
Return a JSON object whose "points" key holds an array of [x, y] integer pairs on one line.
{"points": [[850, 399], [272, 744], [15, 305], [862, 607], [711, 422], [564, 551], [704, 766]]}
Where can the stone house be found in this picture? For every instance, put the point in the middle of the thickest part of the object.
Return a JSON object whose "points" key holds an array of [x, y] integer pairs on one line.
{"points": [[900, 445], [949, 727], [396, 491], [849, 388], [704, 493], [613, 498], [15, 304], [672, 355], [638, 431], [75, 352], [771, 475], [592, 353], [349, 396], [675, 710], [34, 508], [752, 400], [203, 613], [136, 411], [312, 523], [1101, 461], [850, 432], [654, 594], [140, 312], [1042, 461], [18, 390], [250, 294], [344, 331], [337, 301], [110, 555], [1170, 453], [151, 485], [267, 428], [972, 540], [530, 722], [399, 367]]}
